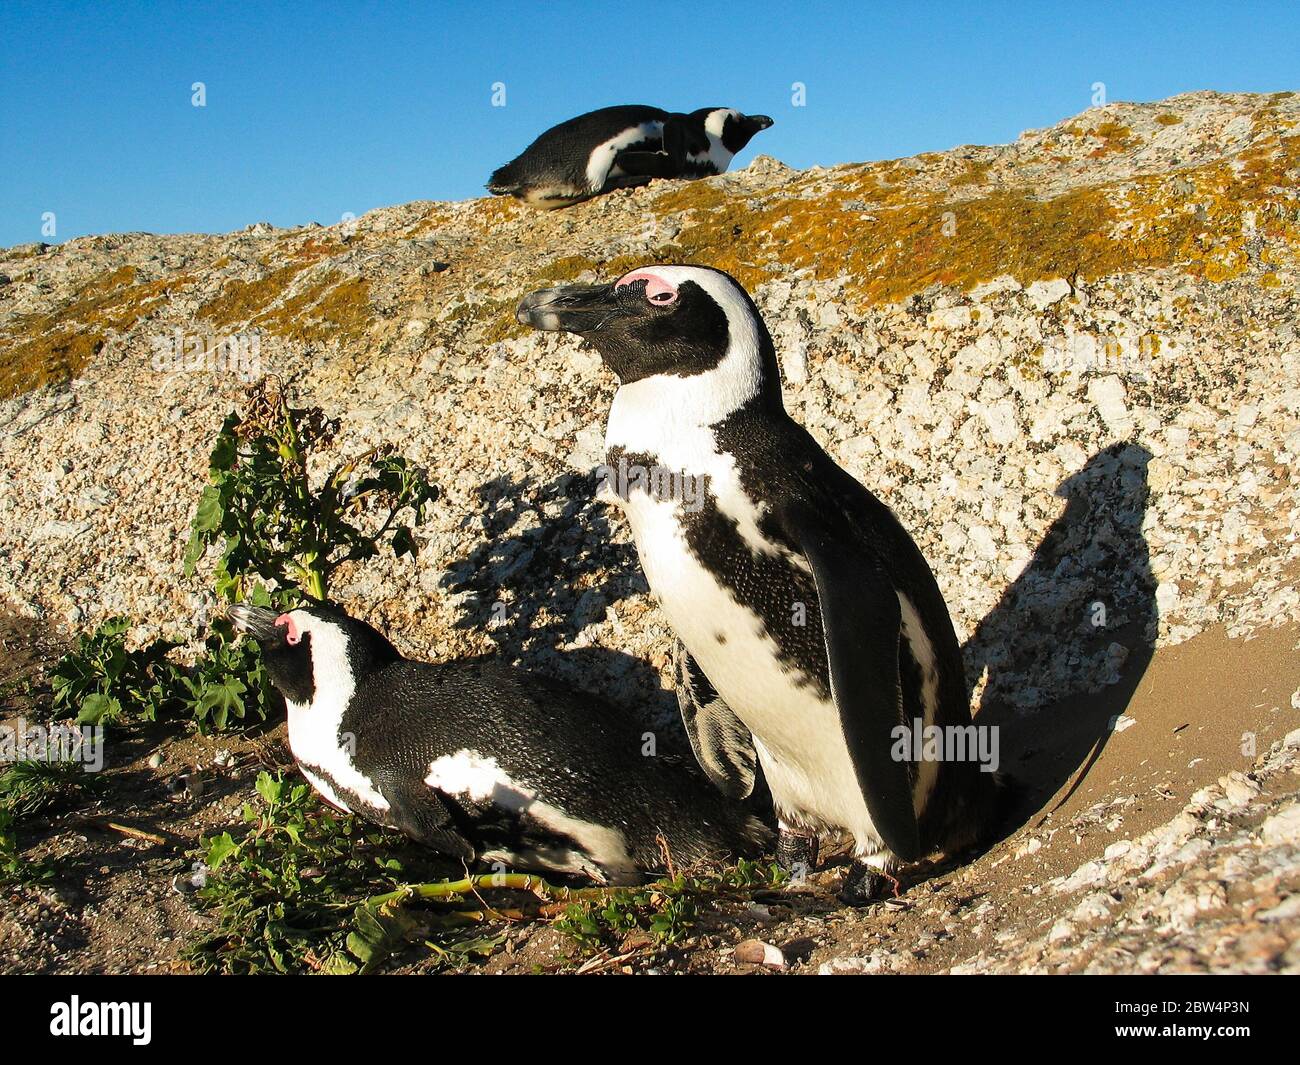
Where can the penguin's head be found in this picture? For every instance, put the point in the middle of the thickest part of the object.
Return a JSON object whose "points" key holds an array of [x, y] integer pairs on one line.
{"points": [[687, 322], [313, 650], [729, 127]]}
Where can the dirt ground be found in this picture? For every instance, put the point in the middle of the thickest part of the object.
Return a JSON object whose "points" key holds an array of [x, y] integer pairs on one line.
{"points": [[1172, 726]]}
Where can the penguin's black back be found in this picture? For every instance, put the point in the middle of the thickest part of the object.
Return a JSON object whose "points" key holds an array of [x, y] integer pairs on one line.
{"points": [[777, 458], [576, 751], [560, 154]]}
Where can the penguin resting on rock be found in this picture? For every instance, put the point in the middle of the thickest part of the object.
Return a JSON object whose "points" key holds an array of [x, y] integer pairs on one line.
{"points": [[811, 628], [623, 147], [481, 761]]}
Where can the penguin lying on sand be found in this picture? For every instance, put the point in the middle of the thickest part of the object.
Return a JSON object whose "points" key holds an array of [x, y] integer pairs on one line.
{"points": [[811, 626], [478, 760], [623, 147]]}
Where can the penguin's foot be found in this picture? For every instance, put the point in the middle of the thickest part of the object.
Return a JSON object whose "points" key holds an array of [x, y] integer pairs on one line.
{"points": [[796, 852], [866, 884]]}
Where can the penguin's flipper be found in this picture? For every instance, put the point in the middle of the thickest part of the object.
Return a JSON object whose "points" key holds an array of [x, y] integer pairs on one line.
{"points": [[647, 165], [625, 181], [723, 746], [862, 622], [683, 136], [421, 813]]}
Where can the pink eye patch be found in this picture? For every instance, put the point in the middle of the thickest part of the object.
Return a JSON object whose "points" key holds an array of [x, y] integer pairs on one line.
{"points": [[293, 635], [657, 290]]}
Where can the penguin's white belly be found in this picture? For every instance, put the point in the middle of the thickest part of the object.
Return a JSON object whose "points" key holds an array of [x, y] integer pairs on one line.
{"points": [[314, 740], [797, 733], [717, 157]]}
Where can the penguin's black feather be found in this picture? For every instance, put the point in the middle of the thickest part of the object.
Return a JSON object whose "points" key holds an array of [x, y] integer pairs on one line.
{"points": [[564, 767], [579, 752], [559, 156]]}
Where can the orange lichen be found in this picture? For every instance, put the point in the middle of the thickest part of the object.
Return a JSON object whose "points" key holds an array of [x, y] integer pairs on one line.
{"points": [[907, 238], [57, 344], [324, 307]]}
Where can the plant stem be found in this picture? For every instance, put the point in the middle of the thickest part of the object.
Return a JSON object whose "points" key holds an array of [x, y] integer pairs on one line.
{"points": [[313, 578], [487, 882]]}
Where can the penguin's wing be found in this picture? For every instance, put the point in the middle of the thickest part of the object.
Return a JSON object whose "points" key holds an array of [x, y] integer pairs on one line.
{"points": [[683, 136], [647, 164], [722, 744], [421, 813], [861, 622]]}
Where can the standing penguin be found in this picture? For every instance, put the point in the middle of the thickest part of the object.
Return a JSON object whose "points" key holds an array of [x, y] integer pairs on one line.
{"points": [[623, 147], [812, 628], [481, 761]]}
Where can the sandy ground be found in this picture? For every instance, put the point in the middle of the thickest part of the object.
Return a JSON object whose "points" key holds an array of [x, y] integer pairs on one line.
{"points": [[1091, 771]]}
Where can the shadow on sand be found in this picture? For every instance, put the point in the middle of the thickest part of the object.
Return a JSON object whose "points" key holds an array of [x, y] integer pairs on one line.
{"points": [[1083, 608]]}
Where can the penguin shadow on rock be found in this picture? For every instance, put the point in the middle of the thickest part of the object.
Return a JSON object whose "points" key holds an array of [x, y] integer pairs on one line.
{"points": [[1087, 592], [534, 591]]}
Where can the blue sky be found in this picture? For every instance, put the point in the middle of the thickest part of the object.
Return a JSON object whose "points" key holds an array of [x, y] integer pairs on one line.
{"points": [[314, 110]]}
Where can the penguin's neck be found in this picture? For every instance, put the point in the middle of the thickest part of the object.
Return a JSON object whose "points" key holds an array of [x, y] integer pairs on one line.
{"points": [[668, 414], [315, 726]]}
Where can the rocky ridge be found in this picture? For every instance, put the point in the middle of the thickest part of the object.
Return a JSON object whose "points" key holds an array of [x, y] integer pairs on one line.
{"points": [[1070, 364]]}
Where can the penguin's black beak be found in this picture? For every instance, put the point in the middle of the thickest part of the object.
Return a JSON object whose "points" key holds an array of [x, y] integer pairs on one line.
{"points": [[756, 123], [256, 621], [572, 308]]}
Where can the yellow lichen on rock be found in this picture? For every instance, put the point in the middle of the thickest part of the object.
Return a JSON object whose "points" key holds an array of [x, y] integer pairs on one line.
{"points": [[51, 347]]}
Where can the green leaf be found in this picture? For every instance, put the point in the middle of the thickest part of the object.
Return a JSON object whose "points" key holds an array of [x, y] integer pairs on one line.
{"points": [[207, 515], [98, 707], [219, 849], [225, 450], [404, 542], [259, 595], [220, 699], [269, 788], [339, 964]]}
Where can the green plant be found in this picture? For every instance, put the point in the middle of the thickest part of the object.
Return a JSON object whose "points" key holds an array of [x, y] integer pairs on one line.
{"points": [[228, 679], [665, 911], [306, 889], [101, 680], [29, 787], [13, 869], [280, 544], [269, 522], [661, 913], [301, 891], [32, 786]]}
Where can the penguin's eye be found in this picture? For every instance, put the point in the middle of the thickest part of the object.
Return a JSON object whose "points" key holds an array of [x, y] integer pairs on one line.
{"points": [[657, 291], [292, 635]]}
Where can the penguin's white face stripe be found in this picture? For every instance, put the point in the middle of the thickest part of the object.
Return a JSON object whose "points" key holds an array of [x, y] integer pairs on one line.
{"points": [[713, 125], [470, 775], [602, 156], [718, 156], [658, 407], [314, 727]]}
